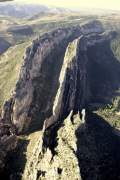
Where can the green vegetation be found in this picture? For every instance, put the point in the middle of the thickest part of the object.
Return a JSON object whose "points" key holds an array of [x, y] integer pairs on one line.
{"points": [[10, 63], [111, 116]]}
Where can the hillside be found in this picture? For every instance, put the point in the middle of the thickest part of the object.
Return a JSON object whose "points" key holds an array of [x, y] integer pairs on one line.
{"points": [[59, 94], [21, 31], [10, 64]]}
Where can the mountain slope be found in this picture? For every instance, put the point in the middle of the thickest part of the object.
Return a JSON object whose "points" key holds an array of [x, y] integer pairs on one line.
{"points": [[67, 89], [10, 64]]}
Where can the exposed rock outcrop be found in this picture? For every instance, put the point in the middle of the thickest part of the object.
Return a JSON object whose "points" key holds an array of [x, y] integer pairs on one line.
{"points": [[8, 142], [84, 151], [74, 92], [33, 99], [57, 82], [51, 158], [34, 93], [64, 163]]}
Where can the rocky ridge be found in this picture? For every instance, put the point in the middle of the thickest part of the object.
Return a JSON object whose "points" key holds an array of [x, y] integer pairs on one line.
{"points": [[33, 98], [55, 154], [61, 59], [64, 163]]}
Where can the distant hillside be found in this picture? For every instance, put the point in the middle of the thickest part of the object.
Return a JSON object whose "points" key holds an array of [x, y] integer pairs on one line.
{"points": [[27, 10]]}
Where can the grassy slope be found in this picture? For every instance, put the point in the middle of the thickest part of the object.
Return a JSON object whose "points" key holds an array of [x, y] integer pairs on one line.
{"points": [[10, 64]]}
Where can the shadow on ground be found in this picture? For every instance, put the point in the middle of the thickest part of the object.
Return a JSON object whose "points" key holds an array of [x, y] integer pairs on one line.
{"points": [[98, 144], [98, 149], [103, 73], [16, 161]]}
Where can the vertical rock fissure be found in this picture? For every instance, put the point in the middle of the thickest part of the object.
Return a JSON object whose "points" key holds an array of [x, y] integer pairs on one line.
{"points": [[74, 95]]}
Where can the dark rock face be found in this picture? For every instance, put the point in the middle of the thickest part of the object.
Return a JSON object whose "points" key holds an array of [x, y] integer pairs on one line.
{"points": [[60, 77], [8, 138], [8, 142], [34, 93], [96, 151], [82, 84], [103, 73], [76, 90], [38, 77]]}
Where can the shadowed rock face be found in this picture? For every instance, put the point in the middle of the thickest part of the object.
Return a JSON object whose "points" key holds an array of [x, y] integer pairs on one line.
{"points": [[38, 82], [60, 77], [104, 71], [37, 86], [8, 138], [77, 80], [95, 142], [8, 142]]}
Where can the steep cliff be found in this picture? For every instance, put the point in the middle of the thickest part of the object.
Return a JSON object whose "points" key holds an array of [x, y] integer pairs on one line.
{"points": [[8, 142], [66, 74], [34, 93], [67, 146], [76, 90]]}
